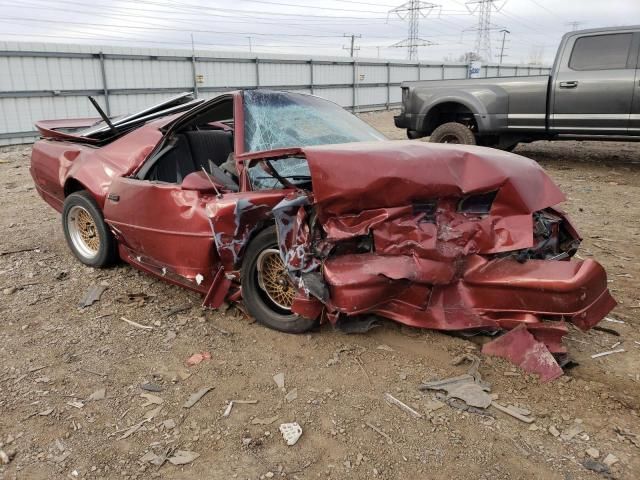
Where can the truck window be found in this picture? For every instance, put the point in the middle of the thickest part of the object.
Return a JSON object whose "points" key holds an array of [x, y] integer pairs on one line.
{"points": [[601, 52]]}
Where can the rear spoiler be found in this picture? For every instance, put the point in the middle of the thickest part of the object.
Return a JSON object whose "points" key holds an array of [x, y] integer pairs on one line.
{"points": [[98, 130]]}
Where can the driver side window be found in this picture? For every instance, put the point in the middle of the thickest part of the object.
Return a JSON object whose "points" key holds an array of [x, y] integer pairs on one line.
{"points": [[205, 143]]}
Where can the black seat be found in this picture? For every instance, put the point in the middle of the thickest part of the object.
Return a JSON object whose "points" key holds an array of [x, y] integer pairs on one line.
{"points": [[189, 152], [209, 147], [176, 163]]}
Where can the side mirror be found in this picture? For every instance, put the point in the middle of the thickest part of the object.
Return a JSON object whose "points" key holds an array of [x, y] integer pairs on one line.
{"points": [[200, 182]]}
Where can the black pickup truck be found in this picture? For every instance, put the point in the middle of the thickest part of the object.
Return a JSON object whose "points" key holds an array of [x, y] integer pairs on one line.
{"points": [[593, 92]]}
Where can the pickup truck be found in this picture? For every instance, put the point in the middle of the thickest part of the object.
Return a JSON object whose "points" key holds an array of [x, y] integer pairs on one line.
{"points": [[592, 92]]}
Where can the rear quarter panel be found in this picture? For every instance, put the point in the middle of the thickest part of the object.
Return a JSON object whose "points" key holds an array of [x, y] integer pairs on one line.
{"points": [[55, 162]]}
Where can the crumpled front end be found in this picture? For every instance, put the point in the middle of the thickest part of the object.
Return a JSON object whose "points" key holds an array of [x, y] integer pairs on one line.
{"points": [[437, 236]]}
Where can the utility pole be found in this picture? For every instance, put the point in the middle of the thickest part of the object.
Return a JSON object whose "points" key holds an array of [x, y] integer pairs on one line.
{"points": [[504, 32], [352, 48], [412, 11], [484, 8], [574, 25]]}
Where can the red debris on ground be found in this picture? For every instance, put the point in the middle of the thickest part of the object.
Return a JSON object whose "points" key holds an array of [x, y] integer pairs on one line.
{"points": [[520, 347], [197, 358]]}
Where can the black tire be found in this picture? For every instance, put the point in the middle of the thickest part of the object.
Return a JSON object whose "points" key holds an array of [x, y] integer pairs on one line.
{"points": [[453, 132], [106, 251], [258, 303]]}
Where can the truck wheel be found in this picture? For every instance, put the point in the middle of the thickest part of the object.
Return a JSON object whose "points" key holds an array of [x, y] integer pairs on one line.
{"points": [[87, 235], [453, 132], [267, 291]]}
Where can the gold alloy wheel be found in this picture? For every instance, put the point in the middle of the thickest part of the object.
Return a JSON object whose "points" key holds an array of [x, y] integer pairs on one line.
{"points": [[274, 279], [83, 232]]}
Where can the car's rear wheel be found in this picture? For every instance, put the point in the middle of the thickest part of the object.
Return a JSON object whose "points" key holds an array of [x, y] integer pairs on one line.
{"points": [[267, 290], [87, 235], [453, 132]]}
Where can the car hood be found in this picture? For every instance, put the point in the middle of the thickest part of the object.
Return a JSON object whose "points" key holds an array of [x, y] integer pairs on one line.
{"points": [[350, 178]]}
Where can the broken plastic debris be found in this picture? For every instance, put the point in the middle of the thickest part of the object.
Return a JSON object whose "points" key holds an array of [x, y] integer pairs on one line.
{"points": [[151, 399], [403, 406], [92, 296], [292, 395], [291, 432], [264, 421], [197, 358], [520, 347], [182, 457], [610, 352], [195, 397], [199, 278], [279, 379], [613, 320], [468, 387], [99, 394], [515, 412]]}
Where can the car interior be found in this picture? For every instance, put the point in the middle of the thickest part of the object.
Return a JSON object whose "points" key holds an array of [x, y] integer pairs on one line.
{"points": [[206, 142]]}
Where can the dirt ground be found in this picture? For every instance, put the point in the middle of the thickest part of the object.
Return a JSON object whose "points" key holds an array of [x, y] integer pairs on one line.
{"points": [[55, 357]]}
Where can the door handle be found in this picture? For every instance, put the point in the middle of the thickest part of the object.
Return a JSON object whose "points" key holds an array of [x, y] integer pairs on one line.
{"points": [[572, 84]]}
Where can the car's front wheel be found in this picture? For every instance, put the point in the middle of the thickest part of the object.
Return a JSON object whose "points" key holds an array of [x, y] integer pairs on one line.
{"points": [[267, 290], [87, 234]]}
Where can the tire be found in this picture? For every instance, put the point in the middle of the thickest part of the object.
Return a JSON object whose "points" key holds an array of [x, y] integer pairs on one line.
{"points": [[259, 303], [453, 132], [87, 235]]}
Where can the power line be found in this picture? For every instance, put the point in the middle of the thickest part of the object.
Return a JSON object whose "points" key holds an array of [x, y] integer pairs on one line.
{"points": [[412, 11]]}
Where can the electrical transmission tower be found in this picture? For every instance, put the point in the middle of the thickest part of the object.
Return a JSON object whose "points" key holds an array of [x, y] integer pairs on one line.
{"points": [[484, 8], [412, 11]]}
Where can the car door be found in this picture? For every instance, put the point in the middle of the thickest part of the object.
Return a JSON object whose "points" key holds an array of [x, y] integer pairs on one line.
{"points": [[164, 229], [594, 84]]}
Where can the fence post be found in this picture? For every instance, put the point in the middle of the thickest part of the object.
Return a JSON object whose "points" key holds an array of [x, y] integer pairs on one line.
{"points": [[388, 85], [419, 72], [105, 89], [194, 74], [516, 70], [355, 81], [257, 72], [311, 75], [442, 72]]}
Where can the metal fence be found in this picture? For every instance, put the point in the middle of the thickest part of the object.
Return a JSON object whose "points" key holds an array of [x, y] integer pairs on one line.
{"points": [[45, 81]]}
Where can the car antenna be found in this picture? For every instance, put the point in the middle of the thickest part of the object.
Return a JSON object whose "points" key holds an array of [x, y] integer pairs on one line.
{"points": [[103, 115], [218, 194]]}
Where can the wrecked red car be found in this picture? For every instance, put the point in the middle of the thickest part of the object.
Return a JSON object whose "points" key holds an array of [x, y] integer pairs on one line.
{"points": [[305, 213]]}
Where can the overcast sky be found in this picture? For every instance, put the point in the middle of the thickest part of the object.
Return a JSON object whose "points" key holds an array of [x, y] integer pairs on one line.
{"points": [[309, 27]]}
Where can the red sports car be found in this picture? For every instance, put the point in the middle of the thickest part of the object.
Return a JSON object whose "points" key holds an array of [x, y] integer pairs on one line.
{"points": [[303, 212]]}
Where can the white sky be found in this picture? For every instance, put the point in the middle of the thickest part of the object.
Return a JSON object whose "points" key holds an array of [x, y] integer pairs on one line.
{"points": [[312, 27]]}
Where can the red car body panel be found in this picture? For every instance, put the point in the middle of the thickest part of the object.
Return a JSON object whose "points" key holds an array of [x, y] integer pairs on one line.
{"points": [[431, 264]]}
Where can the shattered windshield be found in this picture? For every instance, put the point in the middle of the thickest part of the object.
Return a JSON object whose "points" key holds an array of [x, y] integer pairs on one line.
{"points": [[283, 119], [294, 170]]}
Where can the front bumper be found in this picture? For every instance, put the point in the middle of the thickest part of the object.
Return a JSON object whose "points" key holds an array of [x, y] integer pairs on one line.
{"points": [[490, 294]]}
